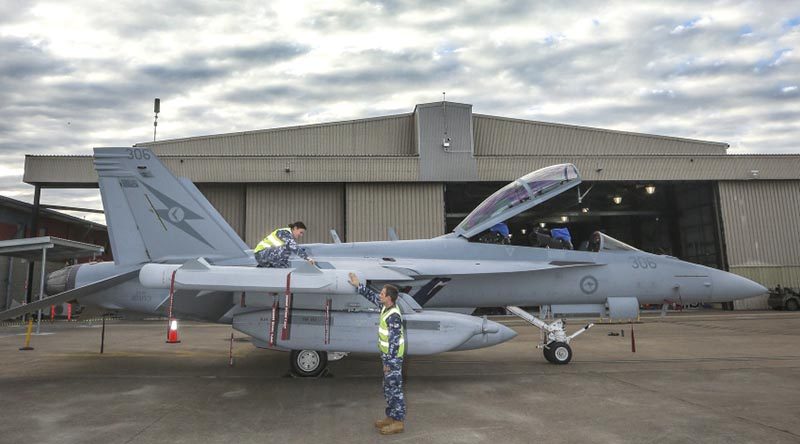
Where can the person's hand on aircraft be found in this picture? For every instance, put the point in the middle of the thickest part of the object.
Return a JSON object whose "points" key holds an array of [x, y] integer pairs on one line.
{"points": [[354, 280], [311, 261]]}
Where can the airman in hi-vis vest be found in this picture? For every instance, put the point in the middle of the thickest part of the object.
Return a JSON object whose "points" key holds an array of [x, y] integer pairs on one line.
{"points": [[391, 343], [274, 250]]}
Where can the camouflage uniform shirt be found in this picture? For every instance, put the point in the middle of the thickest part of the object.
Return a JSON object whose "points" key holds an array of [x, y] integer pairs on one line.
{"points": [[278, 257]]}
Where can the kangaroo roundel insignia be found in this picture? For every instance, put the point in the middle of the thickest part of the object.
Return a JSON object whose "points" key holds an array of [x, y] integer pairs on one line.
{"points": [[588, 284], [176, 214]]}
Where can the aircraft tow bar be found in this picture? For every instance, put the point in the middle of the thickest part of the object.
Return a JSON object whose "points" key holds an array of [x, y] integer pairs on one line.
{"points": [[555, 343]]}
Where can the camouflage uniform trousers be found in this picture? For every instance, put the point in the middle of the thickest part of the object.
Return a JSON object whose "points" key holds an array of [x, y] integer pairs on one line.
{"points": [[273, 258], [393, 389]]}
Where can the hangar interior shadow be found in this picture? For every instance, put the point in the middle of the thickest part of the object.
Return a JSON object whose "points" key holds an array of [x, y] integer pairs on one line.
{"points": [[679, 219]]}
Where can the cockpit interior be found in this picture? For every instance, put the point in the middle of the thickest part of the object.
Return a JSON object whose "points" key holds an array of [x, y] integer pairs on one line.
{"points": [[553, 208]]}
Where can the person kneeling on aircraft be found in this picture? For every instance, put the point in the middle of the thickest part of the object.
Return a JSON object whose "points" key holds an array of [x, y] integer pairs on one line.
{"points": [[274, 250]]}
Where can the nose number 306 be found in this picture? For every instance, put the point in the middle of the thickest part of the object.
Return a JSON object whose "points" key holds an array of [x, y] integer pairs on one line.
{"points": [[643, 263]]}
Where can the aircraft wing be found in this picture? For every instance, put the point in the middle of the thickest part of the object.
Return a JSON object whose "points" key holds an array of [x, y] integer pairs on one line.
{"points": [[199, 275], [460, 267], [69, 295]]}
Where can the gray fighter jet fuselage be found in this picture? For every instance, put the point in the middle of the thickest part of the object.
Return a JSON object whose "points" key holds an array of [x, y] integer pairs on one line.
{"points": [[500, 275]]}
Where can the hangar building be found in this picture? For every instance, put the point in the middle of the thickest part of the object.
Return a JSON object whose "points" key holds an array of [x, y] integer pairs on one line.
{"points": [[15, 223], [422, 172]]}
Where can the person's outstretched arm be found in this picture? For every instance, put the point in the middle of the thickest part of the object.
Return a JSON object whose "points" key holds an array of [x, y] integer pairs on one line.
{"points": [[365, 291]]}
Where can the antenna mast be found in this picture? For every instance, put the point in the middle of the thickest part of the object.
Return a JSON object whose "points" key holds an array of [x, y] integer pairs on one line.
{"points": [[156, 109]]}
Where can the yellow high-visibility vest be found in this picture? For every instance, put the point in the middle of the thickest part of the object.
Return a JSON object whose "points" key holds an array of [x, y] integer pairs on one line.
{"points": [[271, 241], [383, 332]]}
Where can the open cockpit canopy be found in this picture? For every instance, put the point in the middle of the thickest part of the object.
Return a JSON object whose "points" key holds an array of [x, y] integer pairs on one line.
{"points": [[608, 243], [518, 196], [605, 243]]}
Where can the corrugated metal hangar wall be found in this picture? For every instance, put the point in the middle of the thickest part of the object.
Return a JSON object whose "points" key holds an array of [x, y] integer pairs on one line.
{"points": [[761, 220], [357, 211]]}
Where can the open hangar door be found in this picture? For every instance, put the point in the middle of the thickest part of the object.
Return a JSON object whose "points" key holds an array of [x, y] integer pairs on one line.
{"points": [[680, 219]]}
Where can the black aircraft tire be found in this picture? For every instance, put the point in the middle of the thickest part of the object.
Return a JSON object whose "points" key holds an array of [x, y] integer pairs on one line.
{"points": [[561, 353], [792, 305], [548, 354], [308, 363]]}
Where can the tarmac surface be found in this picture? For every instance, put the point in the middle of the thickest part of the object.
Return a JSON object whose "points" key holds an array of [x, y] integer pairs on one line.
{"points": [[708, 376]]}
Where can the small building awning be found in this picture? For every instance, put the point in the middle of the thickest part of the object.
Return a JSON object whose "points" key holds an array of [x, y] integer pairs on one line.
{"points": [[57, 249]]}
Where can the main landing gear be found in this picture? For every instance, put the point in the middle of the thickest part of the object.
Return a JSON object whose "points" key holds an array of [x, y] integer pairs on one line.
{"points": [[555, 342], [312, 363]]}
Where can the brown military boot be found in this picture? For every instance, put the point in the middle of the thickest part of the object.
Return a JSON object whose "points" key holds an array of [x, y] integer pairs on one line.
{"points": [[394, 427], [381, 423]]}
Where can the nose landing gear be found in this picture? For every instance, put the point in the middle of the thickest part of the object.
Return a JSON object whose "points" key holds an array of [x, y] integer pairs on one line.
{"points": [[555, 342]]}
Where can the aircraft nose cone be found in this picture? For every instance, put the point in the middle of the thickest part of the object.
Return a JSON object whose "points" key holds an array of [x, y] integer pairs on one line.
{"points": [[731, 287]]}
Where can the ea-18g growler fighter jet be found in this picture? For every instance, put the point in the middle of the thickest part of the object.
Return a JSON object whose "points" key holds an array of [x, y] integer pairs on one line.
{"points": [[164, 232]]}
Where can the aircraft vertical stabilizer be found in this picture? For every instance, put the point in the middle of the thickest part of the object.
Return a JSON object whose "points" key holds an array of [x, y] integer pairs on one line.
{"points": [[154, 217]]}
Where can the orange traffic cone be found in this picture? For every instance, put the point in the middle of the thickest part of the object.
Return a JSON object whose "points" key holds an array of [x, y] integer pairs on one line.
{"points": [[172, 332]]}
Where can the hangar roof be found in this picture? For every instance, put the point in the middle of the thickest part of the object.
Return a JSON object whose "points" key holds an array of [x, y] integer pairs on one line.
{"points": [[31, 248], [503, 136], [393, 135], [26, 208], [415, 147], [378, 136]]}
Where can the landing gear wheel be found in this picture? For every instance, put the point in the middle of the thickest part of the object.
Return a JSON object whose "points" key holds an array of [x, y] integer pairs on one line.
{"points": [[308, 363], [548, 354], [792, 305], [560, 353]]}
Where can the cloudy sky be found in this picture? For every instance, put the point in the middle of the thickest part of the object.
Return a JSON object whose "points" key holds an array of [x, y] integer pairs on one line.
{"points": [[83, 73]]}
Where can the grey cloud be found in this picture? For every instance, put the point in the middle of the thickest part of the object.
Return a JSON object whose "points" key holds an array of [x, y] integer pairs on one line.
{"points": [[388, 76], [373, 14], [207, 65], [391, 71], [352, 20], [373, 71], [196, 72], [132, 19], [13, 187], [267, 94], [267, 52], [22, 60], [633, 75], [13, 10]]}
